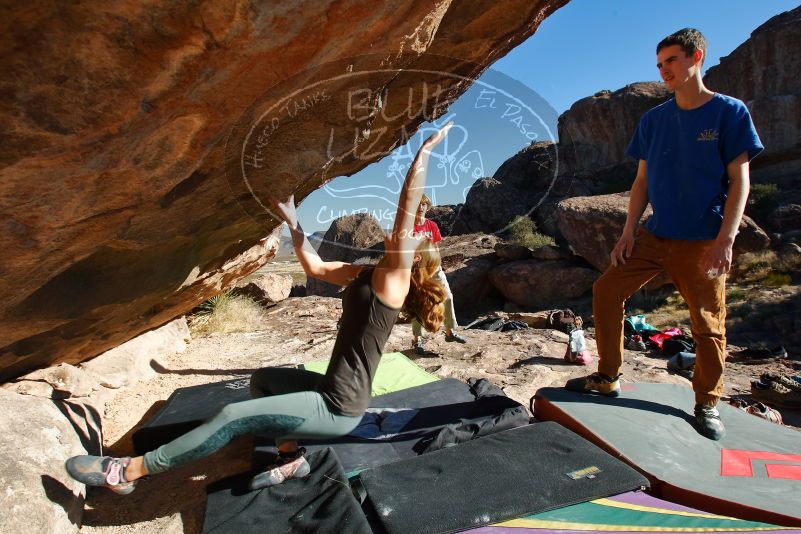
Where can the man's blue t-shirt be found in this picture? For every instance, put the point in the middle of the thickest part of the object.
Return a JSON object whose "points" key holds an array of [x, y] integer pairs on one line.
{"points": [[686, 153]]}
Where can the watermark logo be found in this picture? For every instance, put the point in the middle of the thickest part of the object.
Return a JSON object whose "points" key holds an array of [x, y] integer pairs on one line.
{"points": [[344, 136]]}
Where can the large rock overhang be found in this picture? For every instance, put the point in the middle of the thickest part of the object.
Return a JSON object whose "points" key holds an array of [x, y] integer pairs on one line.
{"points": [[122, 207]]}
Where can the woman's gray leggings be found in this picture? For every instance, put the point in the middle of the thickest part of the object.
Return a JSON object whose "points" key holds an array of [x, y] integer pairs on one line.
{"points": [[286, 406]]}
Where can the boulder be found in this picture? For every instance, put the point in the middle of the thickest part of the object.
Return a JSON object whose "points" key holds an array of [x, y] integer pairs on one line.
{"points": [[444, 216], [349, 238], [489, 207], [541, 284], [592, 226], [268, 288], [750, 237], [511, 252], [786, 218], [35, 440], [551, 252], [134, 360], [139, 358], [763, 73], [63, 380], [532, 169], [589, 159], [143, 141], [467, 261], [595, 131]]}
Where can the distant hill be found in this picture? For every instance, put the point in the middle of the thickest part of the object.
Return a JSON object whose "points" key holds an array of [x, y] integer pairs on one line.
{"points": [[286, 250]]}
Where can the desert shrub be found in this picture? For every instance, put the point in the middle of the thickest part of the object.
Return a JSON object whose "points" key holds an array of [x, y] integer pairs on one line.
{"points": [[752, 267], [777, 280], [646, 300], [762, 199], [766, 268], [523, 231], [226, 313], [735, 294]]}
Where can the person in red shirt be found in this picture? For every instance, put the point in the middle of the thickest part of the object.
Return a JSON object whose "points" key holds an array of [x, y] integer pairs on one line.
{"points": [[429, 229]]}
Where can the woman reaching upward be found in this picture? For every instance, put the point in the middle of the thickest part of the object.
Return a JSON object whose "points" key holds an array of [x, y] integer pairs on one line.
{"points": [[292, 404]]}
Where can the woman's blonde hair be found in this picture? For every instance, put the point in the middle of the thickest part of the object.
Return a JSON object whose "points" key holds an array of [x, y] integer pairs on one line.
{"points": [[426, 293]]}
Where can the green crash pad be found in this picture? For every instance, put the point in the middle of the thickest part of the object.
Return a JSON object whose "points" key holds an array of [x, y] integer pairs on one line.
{"points": [[395, 372]]}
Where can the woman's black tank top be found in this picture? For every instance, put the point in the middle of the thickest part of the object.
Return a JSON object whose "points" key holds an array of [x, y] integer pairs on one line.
{"points": [[364, 328]]}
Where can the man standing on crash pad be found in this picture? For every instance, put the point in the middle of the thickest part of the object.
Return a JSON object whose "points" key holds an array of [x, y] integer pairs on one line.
{"points": [[694, 152]]}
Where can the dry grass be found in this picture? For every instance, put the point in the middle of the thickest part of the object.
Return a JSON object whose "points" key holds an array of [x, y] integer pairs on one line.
{"points": [[226, 314], [523, 231], [765, 268]]}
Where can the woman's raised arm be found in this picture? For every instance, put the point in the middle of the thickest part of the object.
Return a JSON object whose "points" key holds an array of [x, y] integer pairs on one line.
{"points": [[415, 183], [334, 272]]}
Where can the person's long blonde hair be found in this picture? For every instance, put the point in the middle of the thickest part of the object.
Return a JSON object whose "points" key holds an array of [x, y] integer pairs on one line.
{"points": [[426, 293]]}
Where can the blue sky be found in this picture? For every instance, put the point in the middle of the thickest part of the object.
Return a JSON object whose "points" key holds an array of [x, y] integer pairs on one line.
{"points": [[584, 47]]}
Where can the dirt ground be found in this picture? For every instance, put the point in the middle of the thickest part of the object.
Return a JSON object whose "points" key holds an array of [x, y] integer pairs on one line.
{"points": [[301, 330]]}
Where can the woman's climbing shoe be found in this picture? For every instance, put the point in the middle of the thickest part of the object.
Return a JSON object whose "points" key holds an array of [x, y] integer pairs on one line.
{"points": [[101, 471], [285, 468]]}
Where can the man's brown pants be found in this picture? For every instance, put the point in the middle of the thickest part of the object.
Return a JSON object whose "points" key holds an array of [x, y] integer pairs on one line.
{"points": [[706, 299]]}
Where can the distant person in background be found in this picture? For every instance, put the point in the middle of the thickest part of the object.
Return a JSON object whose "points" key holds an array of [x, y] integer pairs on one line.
{"points": [[428, 229], [693, 153]]}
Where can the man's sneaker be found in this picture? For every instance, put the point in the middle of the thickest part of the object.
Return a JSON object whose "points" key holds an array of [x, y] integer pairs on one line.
{"points": [[453, 336], [101, 471], [785, 381], [707, 419], [419, 346], [596, 382], [759, 409], [636, 343], [775, 393], [283, 469]]}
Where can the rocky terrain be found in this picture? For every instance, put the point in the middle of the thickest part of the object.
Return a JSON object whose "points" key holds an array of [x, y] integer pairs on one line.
{"points": [[150, 224], [300, 330], [122, 206]]}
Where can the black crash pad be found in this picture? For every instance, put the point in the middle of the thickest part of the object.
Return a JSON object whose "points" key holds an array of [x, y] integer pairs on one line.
{"points": [[187, 408], [320, 502], [495, 478], [436, 404]]}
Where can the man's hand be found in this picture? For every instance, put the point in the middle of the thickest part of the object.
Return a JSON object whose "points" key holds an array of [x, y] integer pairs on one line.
{"points": [[622, 248], [717, 258], [286, 210]]}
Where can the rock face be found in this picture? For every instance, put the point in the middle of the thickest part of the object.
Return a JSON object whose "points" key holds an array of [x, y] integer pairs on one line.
{"points": [[55, 413], [35, 439], [595, 131], [786, 218], [592, 226], [512, 252], [541, 284], [589, 159], [444, 216], [489, 207], [268, 288], [122, 207], [763, 72], [467, 261], [348, 238]]}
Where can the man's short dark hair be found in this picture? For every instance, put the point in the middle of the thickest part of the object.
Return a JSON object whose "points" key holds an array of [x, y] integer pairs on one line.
{"points": [[689, 39]]}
